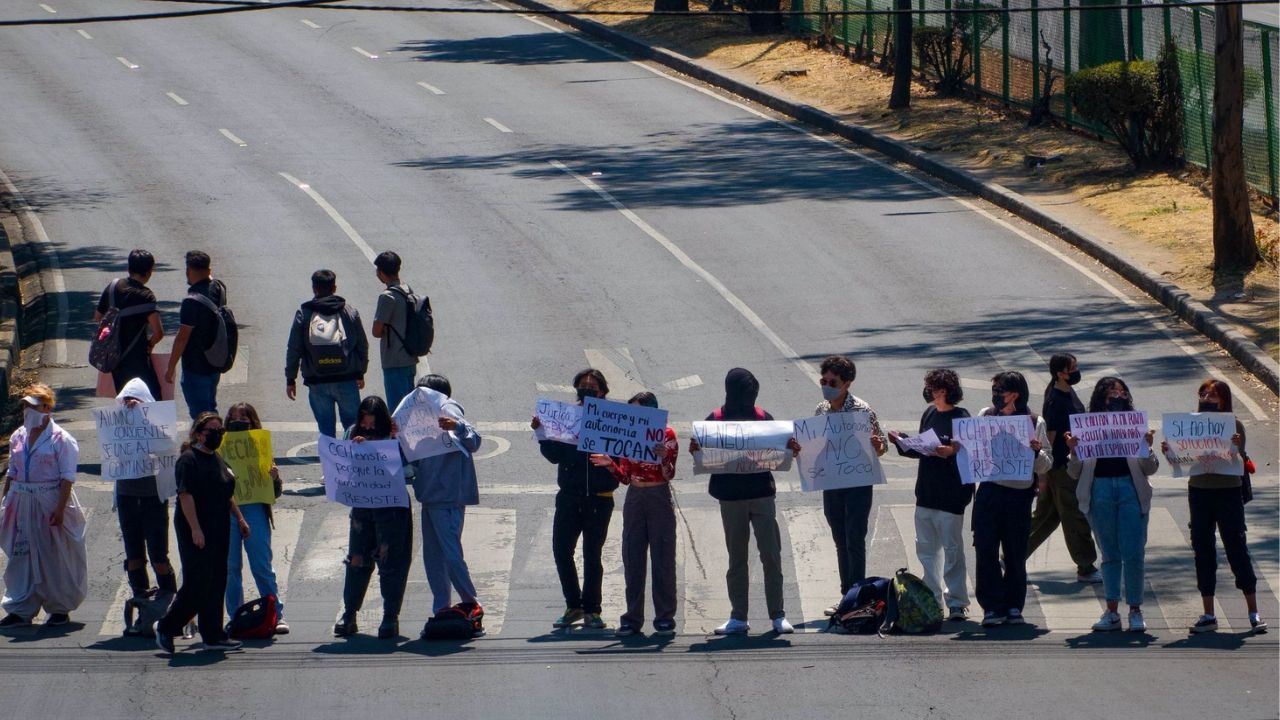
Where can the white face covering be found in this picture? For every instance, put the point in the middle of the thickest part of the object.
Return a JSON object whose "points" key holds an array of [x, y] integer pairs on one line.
{"points": [[33, 418]]}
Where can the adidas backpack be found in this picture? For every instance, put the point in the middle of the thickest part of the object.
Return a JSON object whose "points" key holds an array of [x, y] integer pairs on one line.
{"points": [[327, 343], [420, 326], [107, 348], [221, 355], [913, 608]]}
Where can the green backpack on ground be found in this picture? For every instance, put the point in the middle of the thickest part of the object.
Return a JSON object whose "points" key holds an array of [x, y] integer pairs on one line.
{"points": [[912, 606]]}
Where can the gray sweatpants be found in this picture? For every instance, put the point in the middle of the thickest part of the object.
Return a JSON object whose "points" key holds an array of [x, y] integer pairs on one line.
{"points": [[740, 517], [649, 530]]}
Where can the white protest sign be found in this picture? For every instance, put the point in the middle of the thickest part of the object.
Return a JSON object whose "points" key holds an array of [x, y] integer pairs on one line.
{"points": [[926, 443], [995, 447], [621, 430], [417, 420], [737, 448], [139, 441], [364, 475], [836, 452], [557, 421], [1110, 434], [1200, 443]]}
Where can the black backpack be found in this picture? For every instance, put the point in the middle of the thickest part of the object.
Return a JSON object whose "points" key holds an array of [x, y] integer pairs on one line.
{"points": [[107, 348], [862, 610], [221, 355], [454, 623], [420, 326]]}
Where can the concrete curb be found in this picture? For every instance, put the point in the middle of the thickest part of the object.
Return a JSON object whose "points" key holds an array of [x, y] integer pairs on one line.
{"points": [[1179, 301], [10, 340]]}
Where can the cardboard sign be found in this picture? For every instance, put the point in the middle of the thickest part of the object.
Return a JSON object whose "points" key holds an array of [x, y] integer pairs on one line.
{"points": [[995, 447], [1200, 443], [417, 420], [557, 421], [1111, 434], [248, 454], [742, 447], [621, 430], [139, 441], [836, 452], [364, 475]]}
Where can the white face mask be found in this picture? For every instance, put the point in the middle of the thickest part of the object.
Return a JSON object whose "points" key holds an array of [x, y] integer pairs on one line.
{"points": [[32, 418]]}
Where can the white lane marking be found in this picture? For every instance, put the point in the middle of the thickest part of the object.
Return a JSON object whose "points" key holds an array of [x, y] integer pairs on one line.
{"points": [[1151, 318], [177, 98], [1174, 585], [548, 387], [787, 351], [685, 383], [310, 24], [328, 546], [85, 35], [364, 52], [489, 546], [48, 9], [498, 125], [113, 621], [59, 283], [1067, 605], [502, 443], [231, 136], [701, 561], [125, 62], [617, 365], [333, 215], [431, 88], [813, 556]]}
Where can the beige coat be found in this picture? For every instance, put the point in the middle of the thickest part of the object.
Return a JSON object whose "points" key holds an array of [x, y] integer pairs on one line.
{"points": [[1139, 469]]}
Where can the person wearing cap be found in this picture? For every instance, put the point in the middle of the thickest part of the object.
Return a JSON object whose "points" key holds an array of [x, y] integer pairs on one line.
{"points": [[41, 524]]}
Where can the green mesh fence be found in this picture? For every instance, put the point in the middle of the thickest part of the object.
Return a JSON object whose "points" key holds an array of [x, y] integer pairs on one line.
{"points": [[1010, 58]]}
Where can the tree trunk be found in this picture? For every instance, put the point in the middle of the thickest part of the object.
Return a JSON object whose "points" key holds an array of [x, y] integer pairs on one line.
{"points": [[1235, 249], [901, 95], [679, 5], [764, 17]]}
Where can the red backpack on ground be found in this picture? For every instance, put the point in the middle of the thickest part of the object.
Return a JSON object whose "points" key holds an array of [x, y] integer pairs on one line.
{"points": [[255, 620]]}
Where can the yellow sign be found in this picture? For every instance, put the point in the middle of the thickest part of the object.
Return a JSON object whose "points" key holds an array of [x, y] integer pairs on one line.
{"points": [[248, 454]]}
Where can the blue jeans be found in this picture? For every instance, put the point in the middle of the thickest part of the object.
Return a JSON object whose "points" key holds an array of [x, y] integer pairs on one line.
{"points": [[258, 548], [1121, 531], [200, 392], [442, 556], [325, 397], [396, 383]]}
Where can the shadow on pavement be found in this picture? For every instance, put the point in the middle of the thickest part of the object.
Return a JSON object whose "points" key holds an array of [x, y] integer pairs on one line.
{"points": [[765, 641], [1002, 633], [1212, 641], [538, 48], [1096, 640]]}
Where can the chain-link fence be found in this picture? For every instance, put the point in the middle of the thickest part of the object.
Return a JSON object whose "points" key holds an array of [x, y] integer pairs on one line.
{"points": [[1012, 51]]}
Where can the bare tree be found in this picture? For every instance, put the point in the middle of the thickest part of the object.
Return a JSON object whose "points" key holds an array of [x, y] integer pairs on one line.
{"points": [[1235, 249]]}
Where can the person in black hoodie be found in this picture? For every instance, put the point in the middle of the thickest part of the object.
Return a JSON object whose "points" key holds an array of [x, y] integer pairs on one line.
{"points": [[746, 505], [327, 340], [584, 506], [941, 497]]}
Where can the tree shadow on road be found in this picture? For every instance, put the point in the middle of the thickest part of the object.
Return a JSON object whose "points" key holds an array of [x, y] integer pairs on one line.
{"points": [[43, 194], [538, 48]]}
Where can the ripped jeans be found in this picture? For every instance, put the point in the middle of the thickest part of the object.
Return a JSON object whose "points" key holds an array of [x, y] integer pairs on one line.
{"points": [[383, 536]]}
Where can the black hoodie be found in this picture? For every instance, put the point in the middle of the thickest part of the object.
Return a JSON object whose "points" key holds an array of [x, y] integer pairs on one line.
{"points": [[740, 392], [298, 354]]}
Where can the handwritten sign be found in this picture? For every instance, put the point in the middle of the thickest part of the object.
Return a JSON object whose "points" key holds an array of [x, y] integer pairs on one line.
{"points": [[737, 448], [926, 443], [364, 475], [558, 421], [836, 452], [621, 430], [1110, 434], [138, 442], [995, 447], [418, 424], [248, 454], [1200, 443]]}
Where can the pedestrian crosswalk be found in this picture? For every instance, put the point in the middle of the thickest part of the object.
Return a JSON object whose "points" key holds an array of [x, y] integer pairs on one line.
{"points": [[509, 552]]}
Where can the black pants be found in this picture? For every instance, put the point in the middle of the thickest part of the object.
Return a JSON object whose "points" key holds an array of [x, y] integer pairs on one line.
{"points": [[137, 364], [144, 525], [586, 517], [1220, 509], [848, 512], [1001, 524], [381, 536], [204, 579]]}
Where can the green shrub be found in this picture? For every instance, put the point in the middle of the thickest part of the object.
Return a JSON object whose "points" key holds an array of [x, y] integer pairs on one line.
{"points": [[1169, 120], [1120, 96], [946, 51]]}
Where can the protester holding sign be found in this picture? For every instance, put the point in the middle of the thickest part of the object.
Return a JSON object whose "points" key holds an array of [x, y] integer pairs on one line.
{"points": [[584, 506], [446, 484], [1217, 503], [379, 535], [648, 528], [1002, 514], [143, 516], [247, 450], [1115, 493], [940, 495], [206, 502], [42, 526], [746, 505]]}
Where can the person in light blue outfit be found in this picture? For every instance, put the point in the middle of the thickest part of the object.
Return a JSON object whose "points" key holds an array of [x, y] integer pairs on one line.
{"points": [[446, 485], [241, 417], [1115, 494]]}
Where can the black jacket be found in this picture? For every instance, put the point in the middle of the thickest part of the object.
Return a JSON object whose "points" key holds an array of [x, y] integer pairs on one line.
{"points": [[740, 392], [938, 484], [575, 475], [298, 355]]}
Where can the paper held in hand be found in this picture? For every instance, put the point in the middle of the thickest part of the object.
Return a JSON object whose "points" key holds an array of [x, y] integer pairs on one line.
{"points": [[139, 441], [926, 443], [363, 475], [995, 447], [557, 421], [742, 447], [836, 452], [621, 430], [1110, 434], [418, 429], [1200, 443]]}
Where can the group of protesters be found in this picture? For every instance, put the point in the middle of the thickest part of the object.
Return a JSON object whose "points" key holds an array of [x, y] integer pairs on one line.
{"points": [[42, 526]]}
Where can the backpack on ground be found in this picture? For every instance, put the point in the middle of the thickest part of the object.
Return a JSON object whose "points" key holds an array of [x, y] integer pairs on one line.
{"points": [[913, 608], [862, 609], [255, 620], [420, 326], [108, 348], [221, 355], [332, 350], [455, 623], [143, 611]]}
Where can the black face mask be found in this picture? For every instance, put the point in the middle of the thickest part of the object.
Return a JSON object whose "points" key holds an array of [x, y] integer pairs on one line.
{"points": [[928, 395], [1208, 406], [213, 439], [238, 426], [584, 393], [1074, 377], [997, 401], [1116, 404]]}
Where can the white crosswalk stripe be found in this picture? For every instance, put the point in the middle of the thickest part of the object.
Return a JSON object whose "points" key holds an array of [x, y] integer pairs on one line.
{"points": [[1067, 605]]}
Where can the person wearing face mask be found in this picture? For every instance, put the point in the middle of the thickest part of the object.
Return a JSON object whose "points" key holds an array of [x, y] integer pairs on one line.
{"points": [[42, 525], [584, 506], [941, 496], [1217, 504], [202, 525], [143, 516], [1056, 503], [240, 418], [381, 536], [1115, 493], [1002, 514]]}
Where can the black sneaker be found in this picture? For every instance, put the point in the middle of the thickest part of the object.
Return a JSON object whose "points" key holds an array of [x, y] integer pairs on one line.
{"points": [[664, 628], [58, 619], [164, 642], [223, 644], [345, 627], [389, 629], [13, 621], [1206, 623]]}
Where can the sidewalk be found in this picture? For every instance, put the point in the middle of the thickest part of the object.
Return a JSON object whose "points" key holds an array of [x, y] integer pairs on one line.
{"points": [[1152, 229]]}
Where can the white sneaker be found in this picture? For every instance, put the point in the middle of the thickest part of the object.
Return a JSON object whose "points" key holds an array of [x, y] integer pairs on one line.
{"points": [[782, 627], [733, 626], [1109, 622], [1136, 621]]}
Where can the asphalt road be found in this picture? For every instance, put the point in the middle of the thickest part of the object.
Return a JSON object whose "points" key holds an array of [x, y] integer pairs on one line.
{"points": [[562, 205]]}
